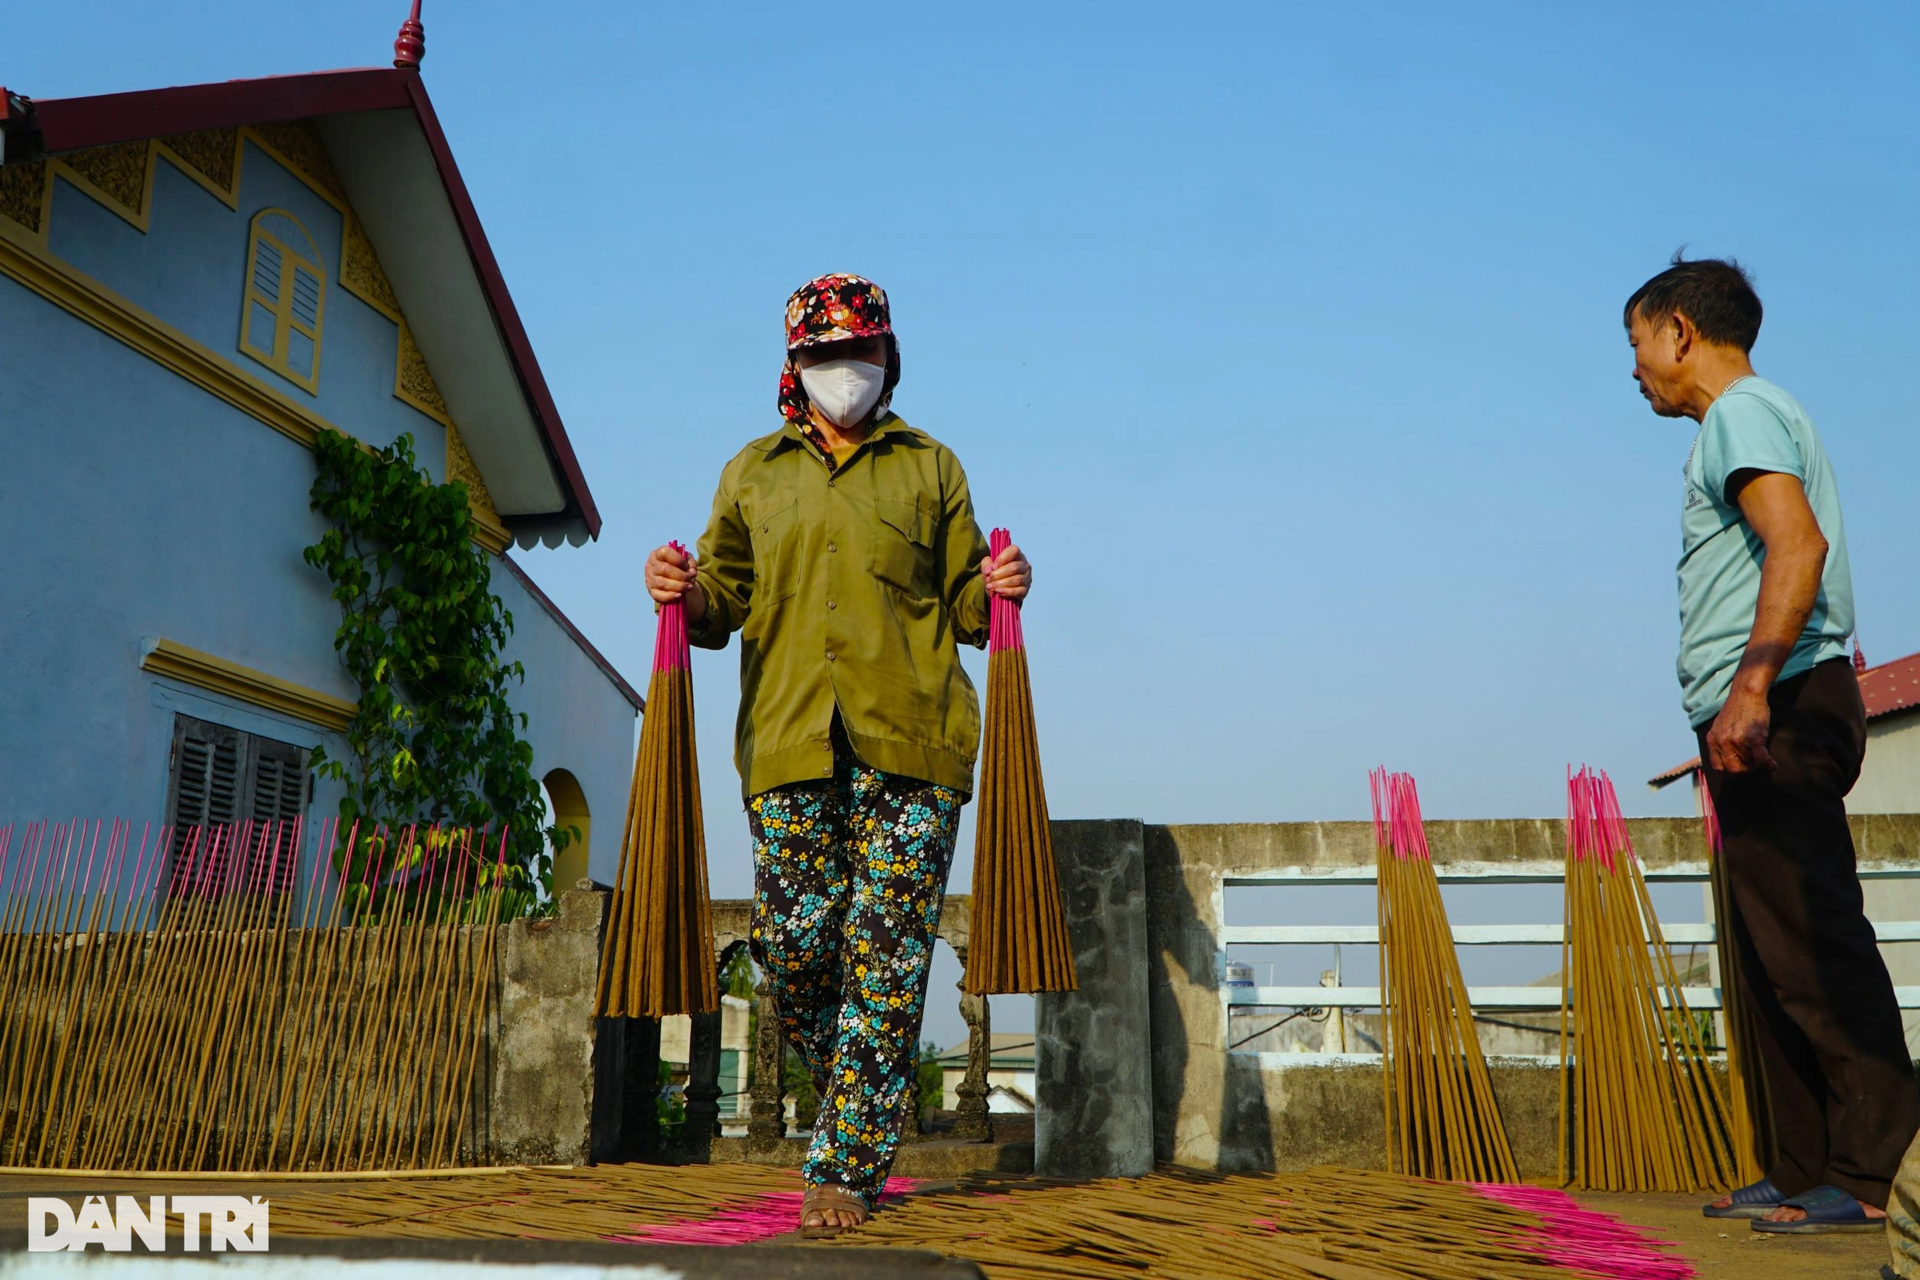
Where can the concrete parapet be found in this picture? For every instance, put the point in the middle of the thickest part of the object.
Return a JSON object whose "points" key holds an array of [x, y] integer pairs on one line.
{"points": [[540, 1096]]}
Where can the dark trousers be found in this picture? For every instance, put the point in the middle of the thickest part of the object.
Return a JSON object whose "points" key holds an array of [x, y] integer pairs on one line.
{"points": [[1839, 1080]]}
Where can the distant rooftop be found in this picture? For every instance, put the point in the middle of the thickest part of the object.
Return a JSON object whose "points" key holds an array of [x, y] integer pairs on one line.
{"points": [[1888, 689]]}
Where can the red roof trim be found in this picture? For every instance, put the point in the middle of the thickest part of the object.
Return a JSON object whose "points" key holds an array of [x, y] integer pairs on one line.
{"points": [[72, 124], [566, 625], [532, 381]]}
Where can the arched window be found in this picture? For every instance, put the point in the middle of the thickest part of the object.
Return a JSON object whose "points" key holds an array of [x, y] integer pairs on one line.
{"points": [[569, 805], [286, 298]]}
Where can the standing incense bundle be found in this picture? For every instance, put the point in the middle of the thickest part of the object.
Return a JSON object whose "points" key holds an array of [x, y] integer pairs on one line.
{"points": [[1640, 1108], [1018, 937], [1442, 1118], [1750, 1118], [658, 958]]}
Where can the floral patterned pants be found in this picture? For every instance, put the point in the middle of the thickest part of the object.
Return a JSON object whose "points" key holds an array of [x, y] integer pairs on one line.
{"points": [[847, 885]]}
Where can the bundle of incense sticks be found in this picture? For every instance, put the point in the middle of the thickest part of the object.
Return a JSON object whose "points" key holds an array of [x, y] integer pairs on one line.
{"points": [[1641, 1109], [180, 1004], [1442, 1118], [658, 957], [1018, 936], [1750, 1119]]}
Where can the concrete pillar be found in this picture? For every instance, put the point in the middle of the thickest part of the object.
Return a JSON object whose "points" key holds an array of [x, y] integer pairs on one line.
{"points": [[1093, 1047], [540, 1097]]}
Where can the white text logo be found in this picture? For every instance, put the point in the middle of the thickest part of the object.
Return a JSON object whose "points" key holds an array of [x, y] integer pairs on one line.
{"points": [[228, 1222]]}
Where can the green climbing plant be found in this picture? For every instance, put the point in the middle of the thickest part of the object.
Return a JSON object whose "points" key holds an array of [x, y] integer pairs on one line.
{"points": [[435, 740]]}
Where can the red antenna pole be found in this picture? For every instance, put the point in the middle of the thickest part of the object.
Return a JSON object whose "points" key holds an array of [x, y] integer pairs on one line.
{"points": [[410, 46]]}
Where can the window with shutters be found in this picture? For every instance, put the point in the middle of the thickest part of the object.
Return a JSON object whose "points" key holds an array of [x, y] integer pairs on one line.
{"points": [[286, 298], [233, 801]]}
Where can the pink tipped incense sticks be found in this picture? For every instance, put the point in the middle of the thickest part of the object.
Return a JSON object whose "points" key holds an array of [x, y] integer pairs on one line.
{"points": [[1641, 1109], [658, 958], [1442, 1118], [177, 1006], [1018, 937]]}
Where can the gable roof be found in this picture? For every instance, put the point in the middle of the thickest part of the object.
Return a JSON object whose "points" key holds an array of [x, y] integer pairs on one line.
{"points": [[390, 153], [1888, 689]]}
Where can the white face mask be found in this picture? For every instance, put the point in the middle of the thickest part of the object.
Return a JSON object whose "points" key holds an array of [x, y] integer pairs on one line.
{"points": [[844, 390]]}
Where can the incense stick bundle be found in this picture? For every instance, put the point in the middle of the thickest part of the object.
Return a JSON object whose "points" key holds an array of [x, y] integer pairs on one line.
{"points": [[178, 1008], [658, 957], [1641, 1109], [1018, 935], [1750, 1119], [1442, 1118]]}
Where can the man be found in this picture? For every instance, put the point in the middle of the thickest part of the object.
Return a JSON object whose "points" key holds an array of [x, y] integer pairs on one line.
{"points": [[1766, 607]]}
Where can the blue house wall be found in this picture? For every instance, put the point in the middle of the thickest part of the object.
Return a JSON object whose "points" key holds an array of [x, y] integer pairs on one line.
{"points": [[137, 505]]}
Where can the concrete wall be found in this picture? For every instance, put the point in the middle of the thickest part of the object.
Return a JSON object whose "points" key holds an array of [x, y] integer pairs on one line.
{"points": [[136, 505], [1890, 776]]}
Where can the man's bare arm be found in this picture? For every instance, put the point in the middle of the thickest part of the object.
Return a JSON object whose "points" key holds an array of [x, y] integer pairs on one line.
{"points": [[1775, 505]]}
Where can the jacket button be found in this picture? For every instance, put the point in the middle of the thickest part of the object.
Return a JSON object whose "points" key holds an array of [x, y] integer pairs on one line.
{"points": [[829, 656], [831, 547], [833, 604]]}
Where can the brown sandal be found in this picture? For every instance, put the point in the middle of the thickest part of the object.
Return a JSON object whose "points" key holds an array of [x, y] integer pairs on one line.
{"points": [[828, 1195]]}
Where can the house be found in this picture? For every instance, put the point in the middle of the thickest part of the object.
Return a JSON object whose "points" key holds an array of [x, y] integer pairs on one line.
{"points": [[1010, 1087], [1889, 783], [195, 284]]}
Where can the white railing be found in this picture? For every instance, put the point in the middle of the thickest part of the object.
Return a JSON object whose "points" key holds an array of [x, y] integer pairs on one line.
{"points": [[1483, 998]]}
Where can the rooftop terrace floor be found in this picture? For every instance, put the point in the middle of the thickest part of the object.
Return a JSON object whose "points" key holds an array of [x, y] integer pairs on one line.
{"points": [[1323, 1224]]}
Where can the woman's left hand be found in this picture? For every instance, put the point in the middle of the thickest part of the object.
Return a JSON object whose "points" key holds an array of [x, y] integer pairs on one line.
{"points": [[1008, 575]]}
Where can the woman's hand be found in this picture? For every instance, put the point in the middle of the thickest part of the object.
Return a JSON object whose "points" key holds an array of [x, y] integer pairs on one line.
{"points": [[1009, 575], [674, 576]]}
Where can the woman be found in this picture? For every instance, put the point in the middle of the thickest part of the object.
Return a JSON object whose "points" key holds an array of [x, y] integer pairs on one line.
{"points": [[844, 550]]}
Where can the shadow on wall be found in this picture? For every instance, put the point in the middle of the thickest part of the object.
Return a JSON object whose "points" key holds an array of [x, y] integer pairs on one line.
{"points": [[1209, 1106]]}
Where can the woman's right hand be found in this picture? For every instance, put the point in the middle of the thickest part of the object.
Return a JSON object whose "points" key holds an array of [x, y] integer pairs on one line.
{"points": [[674, 576]]}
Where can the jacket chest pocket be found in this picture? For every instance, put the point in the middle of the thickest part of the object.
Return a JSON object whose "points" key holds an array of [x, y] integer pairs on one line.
{"points": [[903, 546], [775, 549]]}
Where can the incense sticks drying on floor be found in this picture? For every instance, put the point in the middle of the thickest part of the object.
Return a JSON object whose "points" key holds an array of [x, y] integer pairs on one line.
{"points": [[658, 958], [1442, 1118], [171, 1004], [1018, 939], [1640, 1108]]}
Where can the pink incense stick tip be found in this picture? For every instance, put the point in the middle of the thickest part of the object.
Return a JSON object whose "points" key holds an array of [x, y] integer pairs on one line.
{"points": [[671, 651], [1003, 615]]}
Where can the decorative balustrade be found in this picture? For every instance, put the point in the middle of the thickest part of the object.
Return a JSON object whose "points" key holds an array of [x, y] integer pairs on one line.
{"points": [[766, 1121]]}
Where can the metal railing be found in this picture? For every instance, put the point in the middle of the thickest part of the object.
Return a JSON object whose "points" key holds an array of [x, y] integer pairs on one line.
{"points": [[1485, 998]]}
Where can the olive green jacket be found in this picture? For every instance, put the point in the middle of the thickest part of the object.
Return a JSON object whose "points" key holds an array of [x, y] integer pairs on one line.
{"points": [[850, 589]]}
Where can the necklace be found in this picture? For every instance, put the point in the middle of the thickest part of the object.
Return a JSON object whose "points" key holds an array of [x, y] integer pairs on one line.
{"points": [[1731, 385]]}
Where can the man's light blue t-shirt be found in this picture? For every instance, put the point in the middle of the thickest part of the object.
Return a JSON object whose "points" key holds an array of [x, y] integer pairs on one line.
{"points": [[1758, 427]]}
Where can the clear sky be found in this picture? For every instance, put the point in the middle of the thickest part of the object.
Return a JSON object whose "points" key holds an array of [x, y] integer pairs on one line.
{"points": [[1285, 338]]}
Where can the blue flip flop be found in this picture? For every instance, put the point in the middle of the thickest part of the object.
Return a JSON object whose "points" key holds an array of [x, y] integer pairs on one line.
{"points": [[1829, 1210], [1753, 1201]]}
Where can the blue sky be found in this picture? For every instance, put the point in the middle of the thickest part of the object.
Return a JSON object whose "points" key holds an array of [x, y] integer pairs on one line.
{"points": [[1285, 338]]}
